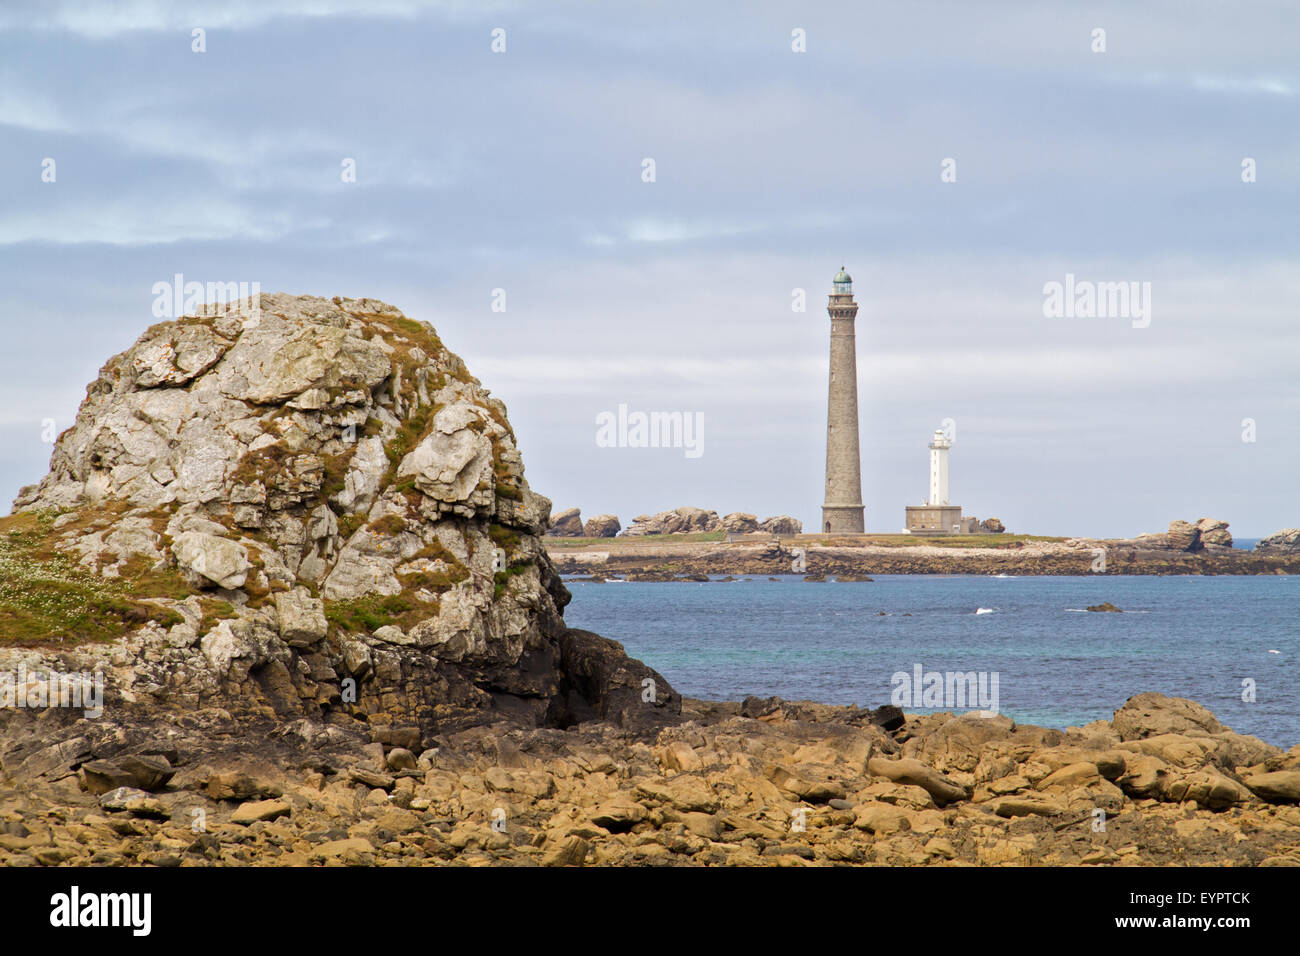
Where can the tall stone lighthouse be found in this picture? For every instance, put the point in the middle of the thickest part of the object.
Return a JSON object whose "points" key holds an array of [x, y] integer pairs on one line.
{"points": [[842, 511]]}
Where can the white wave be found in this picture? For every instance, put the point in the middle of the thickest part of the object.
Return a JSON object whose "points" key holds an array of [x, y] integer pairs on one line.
{"points": [[985, 610]]}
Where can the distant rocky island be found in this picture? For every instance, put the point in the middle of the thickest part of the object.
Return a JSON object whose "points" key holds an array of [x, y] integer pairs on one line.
{"points": [[1201, 547], [283, 599]]}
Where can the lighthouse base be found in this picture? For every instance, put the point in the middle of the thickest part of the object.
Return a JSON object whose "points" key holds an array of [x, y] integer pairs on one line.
{"points": [[843, 519], [939, 519]]}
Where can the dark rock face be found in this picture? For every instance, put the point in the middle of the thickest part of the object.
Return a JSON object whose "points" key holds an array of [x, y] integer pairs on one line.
{"points": [[992, 526], [1105, 606], [602, 683]]}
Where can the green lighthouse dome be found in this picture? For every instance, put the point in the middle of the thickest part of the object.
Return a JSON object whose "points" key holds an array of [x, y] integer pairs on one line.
{"points": [[843, 283], [842, 276]]}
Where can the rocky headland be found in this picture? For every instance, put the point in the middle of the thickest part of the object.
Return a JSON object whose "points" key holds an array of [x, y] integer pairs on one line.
{"points": [[282, 599]]}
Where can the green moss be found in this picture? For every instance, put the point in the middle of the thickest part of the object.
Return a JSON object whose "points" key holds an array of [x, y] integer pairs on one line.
{"points": [[502, 579], [213, 612], [368, 613]]}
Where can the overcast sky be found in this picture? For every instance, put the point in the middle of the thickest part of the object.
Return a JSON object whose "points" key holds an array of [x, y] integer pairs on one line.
{"points": [[523, 171]]}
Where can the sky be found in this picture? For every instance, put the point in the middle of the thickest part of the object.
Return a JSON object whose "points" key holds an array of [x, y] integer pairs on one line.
{"points": [[957, 158]]}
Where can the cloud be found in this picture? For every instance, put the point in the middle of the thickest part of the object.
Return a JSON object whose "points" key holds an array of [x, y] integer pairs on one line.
{"points": [[130, 223], [105, 20]]}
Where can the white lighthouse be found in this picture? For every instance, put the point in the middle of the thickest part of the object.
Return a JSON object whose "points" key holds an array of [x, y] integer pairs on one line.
{"points": [[939, 515], [939, 446]]}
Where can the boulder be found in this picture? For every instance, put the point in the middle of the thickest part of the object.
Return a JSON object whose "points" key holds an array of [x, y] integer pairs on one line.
{"points": [[1280, 786], [1150, 714], [1183, 536], [781, 524], [738, 522], [992, 526], [602, 526], [211, 559], [684, 520], [145, 772], [915, 773], [1214, 532], [302, 617], [566, 524], [249, 813], [1286, 541]]}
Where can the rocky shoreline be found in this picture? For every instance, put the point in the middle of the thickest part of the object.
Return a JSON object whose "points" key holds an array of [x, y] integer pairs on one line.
{"points": [[759, 783]]}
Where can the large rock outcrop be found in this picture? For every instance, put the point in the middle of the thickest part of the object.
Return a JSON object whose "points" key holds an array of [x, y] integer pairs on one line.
{"points": [[602, 526], [307, 509], [739, 522], [685, 520], [1286, 541], [1185, 536], [566, 524], [1214, 531]]}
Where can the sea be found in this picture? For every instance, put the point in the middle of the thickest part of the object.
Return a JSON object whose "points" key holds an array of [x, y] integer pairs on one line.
{"points": [[1230, 642]]}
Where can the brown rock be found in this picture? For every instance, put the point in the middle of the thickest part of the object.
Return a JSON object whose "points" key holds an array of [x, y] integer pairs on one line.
{"points": [[1183, 536], [566, 524], [1149, 714], [602, 526]]}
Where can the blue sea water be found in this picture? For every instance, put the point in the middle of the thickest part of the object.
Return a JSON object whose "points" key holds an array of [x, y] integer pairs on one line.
{"points": [[1057, 665]]}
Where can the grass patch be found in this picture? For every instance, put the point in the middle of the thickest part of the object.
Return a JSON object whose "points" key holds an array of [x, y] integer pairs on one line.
{"points": [[47, 597], [369, 613], [503, 537], [214, 611], [502, 579], [408, 436], [388, 525]]}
